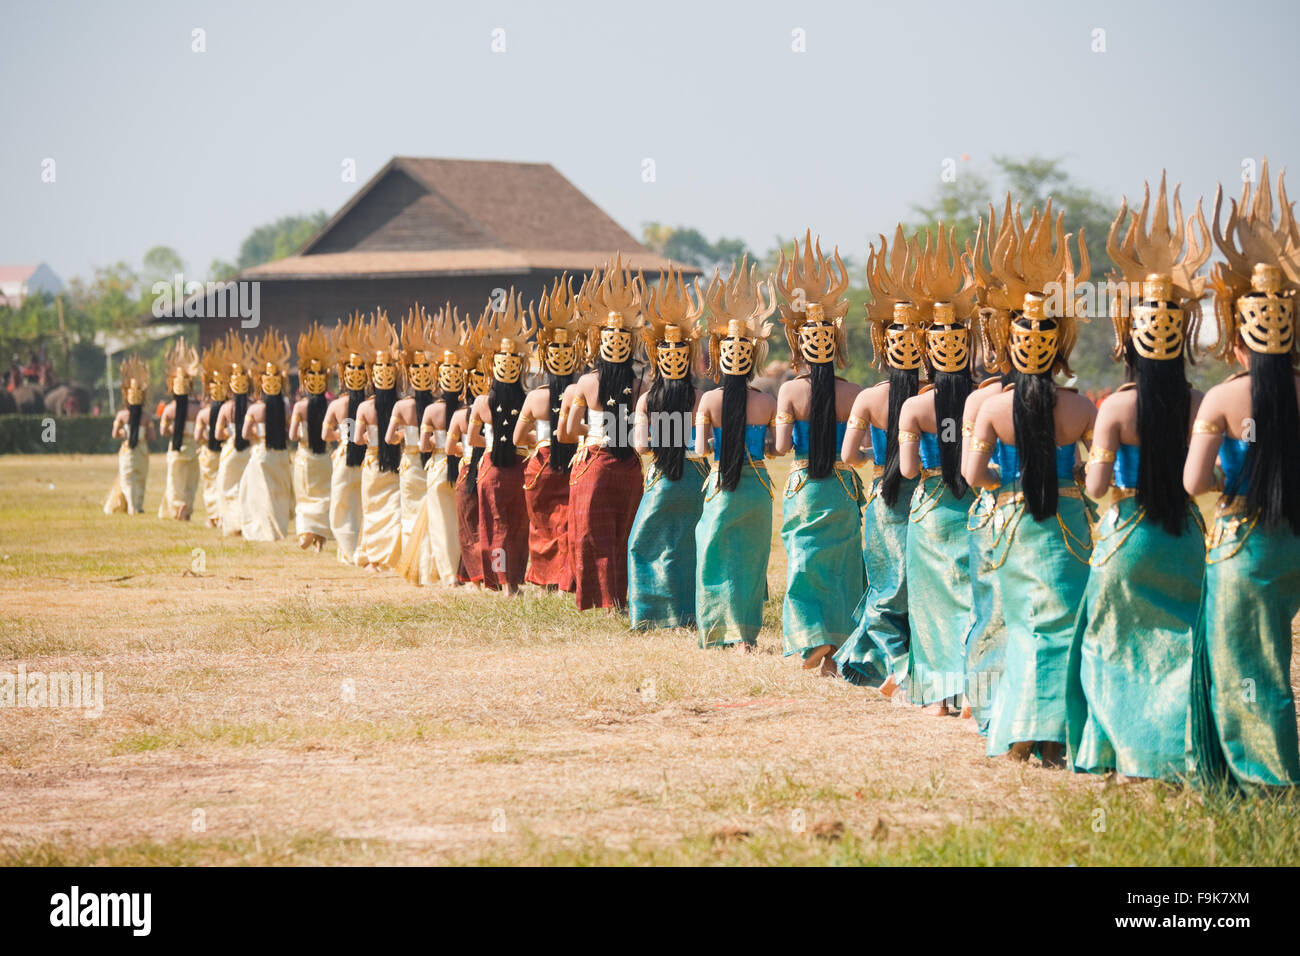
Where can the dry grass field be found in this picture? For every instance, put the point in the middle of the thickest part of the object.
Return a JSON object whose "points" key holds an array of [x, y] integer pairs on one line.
{"points": [[267, 706]]}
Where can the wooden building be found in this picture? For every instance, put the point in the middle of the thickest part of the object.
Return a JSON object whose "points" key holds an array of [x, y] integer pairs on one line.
{"points": [[432, 231]]}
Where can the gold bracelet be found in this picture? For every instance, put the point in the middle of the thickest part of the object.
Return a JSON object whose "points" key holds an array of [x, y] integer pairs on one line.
{"points": [[861, 424], [980, 445], [1100, 455], [1202, 427], [967, 429], [703, 419], [908, 438], [785, 418]]}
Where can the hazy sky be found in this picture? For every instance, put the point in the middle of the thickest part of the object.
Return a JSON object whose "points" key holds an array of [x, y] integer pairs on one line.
{"points": [[154, 143]]}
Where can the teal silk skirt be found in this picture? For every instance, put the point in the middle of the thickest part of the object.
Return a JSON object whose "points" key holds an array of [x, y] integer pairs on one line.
{"points": [[733, 541], [938, 592], [878, 644], [1242, 726], [821, 531], [661, 548], [986, 634], [1130, 664], [1042, 570]]}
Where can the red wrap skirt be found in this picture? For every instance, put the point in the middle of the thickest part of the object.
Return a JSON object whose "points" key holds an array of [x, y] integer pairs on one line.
{"points": [[604, 493], [502, 524], [471, 559], [547, 495]]}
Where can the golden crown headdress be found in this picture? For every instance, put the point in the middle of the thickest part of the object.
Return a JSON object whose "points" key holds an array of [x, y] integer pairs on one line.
{"points": [[1166, 312], [894, 315], [943, 289], [348, 339], [673, 316], [315, 353], [216, 369], [182, 358], [1036, 261], [416, 336], [738, 308], [450, 334], [810, 282], [134, 368], [1256, 287], [271, 358], [510, 328], [989, 290], [238, 352], [558, 319]]}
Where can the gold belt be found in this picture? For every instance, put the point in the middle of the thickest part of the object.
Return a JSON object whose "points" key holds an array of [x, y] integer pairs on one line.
{"points": [[803, 463], [1119, 494], [931, 473], [1010, 497]]}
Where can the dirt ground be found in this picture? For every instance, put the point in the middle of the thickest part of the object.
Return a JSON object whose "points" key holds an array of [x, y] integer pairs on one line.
{"points": [[262, 704]]}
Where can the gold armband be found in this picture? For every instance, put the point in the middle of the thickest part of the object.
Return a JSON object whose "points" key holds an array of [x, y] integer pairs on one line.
{"points": [[526, 418], [428, 430], [475, 420], [1087, 436], [1202, 427], [908, 438], [580, 400], [980, 445], [784, 418], [703, 419], [861, 424], [1100, 456], [967, 429]]}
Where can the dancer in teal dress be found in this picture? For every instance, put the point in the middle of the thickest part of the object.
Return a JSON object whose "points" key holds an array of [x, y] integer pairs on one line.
{"points": [[876, 653], [661, 547], [986, 632], [733, 539], [1041, 532], [1131, 662], [929, 446], [1242, 724], [822, 502]]}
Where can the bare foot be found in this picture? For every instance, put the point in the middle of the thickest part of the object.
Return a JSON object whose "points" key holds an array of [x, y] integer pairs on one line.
{"points": [[936, 710], [1021, 751], [965, 709], [815, 656], [888, 688], [829, 668]]}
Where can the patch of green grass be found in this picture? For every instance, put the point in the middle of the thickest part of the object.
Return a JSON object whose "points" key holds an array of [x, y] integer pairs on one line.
{"points": [[316, 849], [295, 733]]}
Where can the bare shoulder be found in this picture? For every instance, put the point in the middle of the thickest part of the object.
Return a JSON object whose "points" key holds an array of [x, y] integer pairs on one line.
{"points": [[762, 400]]}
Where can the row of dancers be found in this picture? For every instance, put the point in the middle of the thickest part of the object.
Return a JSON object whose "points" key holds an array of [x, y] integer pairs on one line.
{"points": [[943, 541]]}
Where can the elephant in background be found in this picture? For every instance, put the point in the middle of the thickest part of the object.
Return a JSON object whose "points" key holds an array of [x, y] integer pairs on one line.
{"points": [[70, 399]]}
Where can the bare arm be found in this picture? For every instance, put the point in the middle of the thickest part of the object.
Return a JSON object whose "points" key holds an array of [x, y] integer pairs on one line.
{"points": [[909, 440], [976, 469], [1207, 438], [783, 440]]}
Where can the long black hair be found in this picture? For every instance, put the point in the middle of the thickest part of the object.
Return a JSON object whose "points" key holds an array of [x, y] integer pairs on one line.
{"points": [[213, 409], [133, 415], [1164, 407], [821, 420], [277, 430], [182, 405], [505, 399], [668, 404], [241, 411], [389, 455], [471, 473], [561, 457], [452, 401], [355, 456], [950, 391], [1273, 459], [1033, 414], [735, 417], [615, 381], [317, 405], [423, 399], [903, 384]]}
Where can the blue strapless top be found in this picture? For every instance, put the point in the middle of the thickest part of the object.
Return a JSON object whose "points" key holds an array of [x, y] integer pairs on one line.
{"points": [[930, 450], [879, 445], [755, 441], [1126, 466], [1232, 459], [802, 436], [1008, 459]]}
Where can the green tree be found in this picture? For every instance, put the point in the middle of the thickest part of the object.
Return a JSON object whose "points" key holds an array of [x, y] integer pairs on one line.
{"points": [[160, 264], [689, 246], [278, 239]]}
